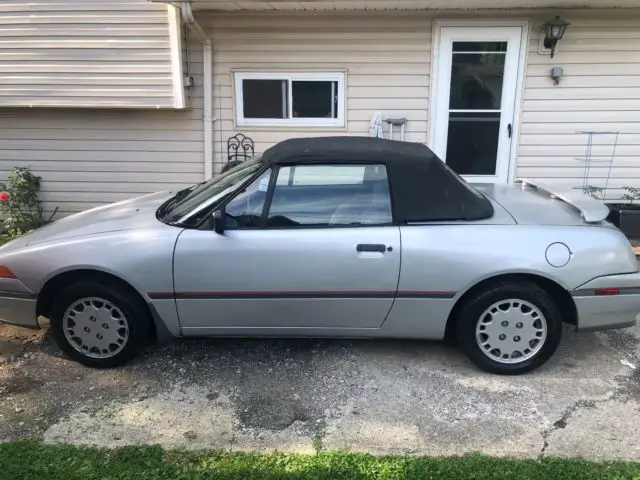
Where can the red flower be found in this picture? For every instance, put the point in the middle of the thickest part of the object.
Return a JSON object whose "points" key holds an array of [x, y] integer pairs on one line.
{"points": [[5, 197]]}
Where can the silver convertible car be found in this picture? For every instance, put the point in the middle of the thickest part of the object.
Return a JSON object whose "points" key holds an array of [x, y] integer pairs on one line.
{"points": [[329, 237]]}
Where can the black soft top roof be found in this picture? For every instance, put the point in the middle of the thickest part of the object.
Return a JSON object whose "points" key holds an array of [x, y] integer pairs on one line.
{"points": [[422, 187]]}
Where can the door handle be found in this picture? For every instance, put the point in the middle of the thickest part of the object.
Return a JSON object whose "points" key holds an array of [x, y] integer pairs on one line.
{"points": [[510, 130], [371, 247]]}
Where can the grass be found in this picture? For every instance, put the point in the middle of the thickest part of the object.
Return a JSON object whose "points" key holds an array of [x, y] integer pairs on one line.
{"points": [[32, 460]]}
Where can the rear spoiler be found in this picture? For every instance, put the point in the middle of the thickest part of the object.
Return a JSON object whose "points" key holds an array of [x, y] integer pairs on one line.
{"points": [[591, 209]]}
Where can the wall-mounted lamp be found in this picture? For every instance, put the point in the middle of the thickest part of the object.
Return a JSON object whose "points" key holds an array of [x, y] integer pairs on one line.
{"points": [[554, 31]]}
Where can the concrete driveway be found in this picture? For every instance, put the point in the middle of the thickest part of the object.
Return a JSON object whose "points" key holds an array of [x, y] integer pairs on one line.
{"points": [[303, 395]]}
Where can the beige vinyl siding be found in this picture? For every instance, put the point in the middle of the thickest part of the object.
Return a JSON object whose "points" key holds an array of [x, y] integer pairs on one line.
{"points": [[386, 58], [600, 91], [70, 53], [89, 157], [386, 65], [92, 157]]}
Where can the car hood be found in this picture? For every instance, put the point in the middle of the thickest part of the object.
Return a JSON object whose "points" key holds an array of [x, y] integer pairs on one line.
{"points": [[529, 206], [135, 214]]}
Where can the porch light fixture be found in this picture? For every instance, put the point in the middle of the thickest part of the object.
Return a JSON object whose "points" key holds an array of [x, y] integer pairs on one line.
{"points": [[554, 31]]}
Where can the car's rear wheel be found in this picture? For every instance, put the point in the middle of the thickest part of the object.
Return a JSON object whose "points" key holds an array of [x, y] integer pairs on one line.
{"points": [[99, 325], [509, 328]]}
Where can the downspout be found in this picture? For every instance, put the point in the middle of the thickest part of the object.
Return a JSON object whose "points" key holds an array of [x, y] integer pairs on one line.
{"points": [[207, 59]]}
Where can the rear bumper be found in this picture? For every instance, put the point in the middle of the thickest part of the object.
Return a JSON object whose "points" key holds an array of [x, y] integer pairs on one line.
{"points": [[604, 313], [611, 301]]}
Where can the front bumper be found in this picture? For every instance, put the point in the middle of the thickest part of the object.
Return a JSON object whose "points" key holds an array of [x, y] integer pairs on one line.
{"points": [[18, 311], [17, 304], [611, 301]]}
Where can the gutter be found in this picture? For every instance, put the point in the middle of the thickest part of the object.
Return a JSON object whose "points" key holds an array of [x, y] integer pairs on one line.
{"points": [[207, 60]]}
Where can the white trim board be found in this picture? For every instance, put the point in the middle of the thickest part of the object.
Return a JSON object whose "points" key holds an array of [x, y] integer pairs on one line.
{"points": [[175, 42]]}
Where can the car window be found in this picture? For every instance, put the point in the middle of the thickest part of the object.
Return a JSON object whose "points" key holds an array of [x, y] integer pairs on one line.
{"points": [[321, 175], [245, 209], [330, 195], [190, 205]]}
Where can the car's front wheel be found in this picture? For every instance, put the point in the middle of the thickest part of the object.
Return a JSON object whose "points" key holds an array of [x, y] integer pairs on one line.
{"points": [[510, 328], [99, 325]]}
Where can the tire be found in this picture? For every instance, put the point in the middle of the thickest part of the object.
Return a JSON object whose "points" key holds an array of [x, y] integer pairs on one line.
{"points": [[119, 318], [494, 313]]}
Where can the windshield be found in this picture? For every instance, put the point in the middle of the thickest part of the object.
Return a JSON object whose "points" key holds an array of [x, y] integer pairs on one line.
{"points": [[185, 205]]}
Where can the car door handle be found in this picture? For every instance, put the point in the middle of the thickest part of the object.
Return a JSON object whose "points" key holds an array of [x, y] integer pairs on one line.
{"points": [[371, 247]]}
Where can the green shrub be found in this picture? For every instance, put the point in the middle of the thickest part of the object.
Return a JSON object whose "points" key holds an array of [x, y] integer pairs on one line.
{"points": [[20, 203], [596, 192], [631, 195]]}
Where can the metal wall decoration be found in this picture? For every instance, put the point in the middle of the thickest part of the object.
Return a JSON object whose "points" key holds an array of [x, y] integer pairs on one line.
{"points": [[240, 148], [598, 167]]}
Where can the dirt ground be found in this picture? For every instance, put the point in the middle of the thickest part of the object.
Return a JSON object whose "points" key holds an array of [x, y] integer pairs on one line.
{"points": [[305, 395]]}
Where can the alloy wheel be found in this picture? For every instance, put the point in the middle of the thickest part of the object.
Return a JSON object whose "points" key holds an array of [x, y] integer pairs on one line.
{"points": [[95, 327], [511, 331]]}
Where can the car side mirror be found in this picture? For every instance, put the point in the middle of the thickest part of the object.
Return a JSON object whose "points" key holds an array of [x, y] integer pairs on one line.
{"points": [[218, 222]]}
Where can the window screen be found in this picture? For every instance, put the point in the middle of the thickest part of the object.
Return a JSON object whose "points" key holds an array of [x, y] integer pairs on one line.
{"points": [[315, 99], [305, 99], [265, 98]]}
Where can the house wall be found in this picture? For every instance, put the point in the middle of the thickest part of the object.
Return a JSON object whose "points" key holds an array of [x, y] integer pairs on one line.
{"points": [[387, 66], [89, 157], [88, 54], [600, 91], [387, 60]]}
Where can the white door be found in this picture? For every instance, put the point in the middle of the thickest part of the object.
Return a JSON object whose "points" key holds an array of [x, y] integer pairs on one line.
{"points": [[475, 89]]}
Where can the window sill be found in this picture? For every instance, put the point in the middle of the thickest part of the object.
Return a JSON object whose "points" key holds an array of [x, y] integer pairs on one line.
{"points": [[289, 123], [279, 127]]}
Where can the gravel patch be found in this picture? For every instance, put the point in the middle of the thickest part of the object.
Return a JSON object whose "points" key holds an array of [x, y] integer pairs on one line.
{"points": [[307, 395]]}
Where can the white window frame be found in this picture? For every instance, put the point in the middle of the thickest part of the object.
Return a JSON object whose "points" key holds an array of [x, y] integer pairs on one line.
{"points": [[290, 77]]}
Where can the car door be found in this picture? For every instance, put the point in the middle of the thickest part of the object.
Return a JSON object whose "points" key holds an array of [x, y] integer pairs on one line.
{"points": [[306, 248]]}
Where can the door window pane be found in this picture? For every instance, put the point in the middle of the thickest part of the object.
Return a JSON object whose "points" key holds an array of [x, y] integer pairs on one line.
{"points": [[246, 208], [476, 81], [472, 143], [330, 195], [264, 98], [475, 47], [315, 99]]}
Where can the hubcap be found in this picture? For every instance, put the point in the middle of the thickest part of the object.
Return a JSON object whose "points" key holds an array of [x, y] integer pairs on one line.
{"points": [[511, 331], [95, 327]]}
